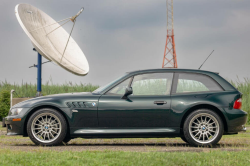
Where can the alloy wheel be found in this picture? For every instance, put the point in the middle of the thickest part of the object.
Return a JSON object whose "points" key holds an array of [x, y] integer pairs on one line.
{"points": [[46, 127], [204, 128]]}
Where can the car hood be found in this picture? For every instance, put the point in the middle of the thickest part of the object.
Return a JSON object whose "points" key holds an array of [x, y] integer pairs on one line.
{"points": [[56, 99], [67, 94]]}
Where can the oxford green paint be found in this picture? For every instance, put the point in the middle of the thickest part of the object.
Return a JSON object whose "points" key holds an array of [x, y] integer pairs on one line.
{"points": [[111, 113], [136, 111]]}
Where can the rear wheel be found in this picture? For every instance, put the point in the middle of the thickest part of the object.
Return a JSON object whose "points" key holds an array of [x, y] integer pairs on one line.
{"points": [[66, 139], [47, 127], [203, 127]]}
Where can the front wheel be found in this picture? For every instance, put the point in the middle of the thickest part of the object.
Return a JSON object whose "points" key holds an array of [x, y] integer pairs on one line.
{"points": [[47, 127], [184, 139], [203, 127]]}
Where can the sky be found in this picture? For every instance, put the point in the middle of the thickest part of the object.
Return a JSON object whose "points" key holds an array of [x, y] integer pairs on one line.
{"points": [[118, 36]]}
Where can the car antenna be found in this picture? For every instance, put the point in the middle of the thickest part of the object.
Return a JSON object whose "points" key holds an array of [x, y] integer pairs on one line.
{"points": [[206, 59]]}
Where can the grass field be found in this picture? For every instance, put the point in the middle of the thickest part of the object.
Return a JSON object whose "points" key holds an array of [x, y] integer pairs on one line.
{"points": [[123, 158], [231, 150]]}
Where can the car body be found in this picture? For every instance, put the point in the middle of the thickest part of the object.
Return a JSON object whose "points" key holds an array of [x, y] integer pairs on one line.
{"points": [[143, 103]]}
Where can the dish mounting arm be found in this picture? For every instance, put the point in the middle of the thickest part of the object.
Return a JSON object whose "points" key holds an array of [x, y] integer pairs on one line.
{"points": [[73, 18]]}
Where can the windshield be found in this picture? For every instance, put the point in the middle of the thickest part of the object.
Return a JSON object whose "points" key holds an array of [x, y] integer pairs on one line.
{"points": [[99, 90]]}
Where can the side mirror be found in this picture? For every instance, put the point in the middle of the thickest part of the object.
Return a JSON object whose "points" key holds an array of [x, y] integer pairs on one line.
{"points": [[128, 92]]}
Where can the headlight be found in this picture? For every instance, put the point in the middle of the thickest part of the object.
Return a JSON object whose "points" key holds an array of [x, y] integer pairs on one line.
{"points": [[15, 111]]}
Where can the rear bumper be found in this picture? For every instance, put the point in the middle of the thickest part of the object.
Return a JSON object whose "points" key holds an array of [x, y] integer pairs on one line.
{"points": [[236, 121], [244, 129], [14, 127]]}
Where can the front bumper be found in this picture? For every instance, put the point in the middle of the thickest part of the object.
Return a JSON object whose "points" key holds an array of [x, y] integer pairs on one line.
{"points": [[14, 127]]}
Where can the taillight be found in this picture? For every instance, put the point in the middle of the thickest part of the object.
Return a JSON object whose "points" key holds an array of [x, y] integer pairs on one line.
{"points": [[237, 104]]}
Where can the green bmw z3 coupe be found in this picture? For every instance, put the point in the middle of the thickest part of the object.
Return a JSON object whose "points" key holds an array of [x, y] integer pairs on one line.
{"points": [[198, 106]]}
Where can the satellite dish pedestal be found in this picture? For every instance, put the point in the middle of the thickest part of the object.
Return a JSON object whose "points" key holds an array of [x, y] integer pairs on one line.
{"points": [[39, 75]]}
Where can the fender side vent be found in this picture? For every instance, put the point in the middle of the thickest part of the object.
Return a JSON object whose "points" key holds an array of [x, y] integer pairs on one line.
{"points": [[75, 104]]}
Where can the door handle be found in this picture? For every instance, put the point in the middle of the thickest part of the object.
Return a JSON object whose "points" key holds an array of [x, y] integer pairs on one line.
{"points": [[160, 102]]}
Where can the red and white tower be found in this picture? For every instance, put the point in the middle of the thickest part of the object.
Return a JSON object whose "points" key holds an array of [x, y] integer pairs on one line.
{"points": [[169, 58]]}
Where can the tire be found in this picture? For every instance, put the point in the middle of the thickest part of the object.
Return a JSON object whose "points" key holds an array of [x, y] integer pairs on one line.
{"points": [[50, 123], [203, 127], [3, 123], [184, 139], [66, 140]]}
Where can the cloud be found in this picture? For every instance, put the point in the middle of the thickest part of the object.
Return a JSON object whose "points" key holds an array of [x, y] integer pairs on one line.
{"points": [[118, 36]]}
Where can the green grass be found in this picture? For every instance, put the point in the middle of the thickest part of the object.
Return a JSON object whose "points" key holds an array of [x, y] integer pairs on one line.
{"points": [[29, 90], [9, 157]]}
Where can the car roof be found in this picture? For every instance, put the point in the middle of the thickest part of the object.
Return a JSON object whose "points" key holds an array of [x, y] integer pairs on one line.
{"points": [[172, 70]]}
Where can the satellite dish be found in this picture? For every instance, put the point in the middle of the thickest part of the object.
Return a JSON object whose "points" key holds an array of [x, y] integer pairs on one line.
{"points": [[51, 40]]}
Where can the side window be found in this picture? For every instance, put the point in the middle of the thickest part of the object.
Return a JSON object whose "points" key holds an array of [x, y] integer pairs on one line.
{"points": [[120, 88], [152, 84], [188, 83]]}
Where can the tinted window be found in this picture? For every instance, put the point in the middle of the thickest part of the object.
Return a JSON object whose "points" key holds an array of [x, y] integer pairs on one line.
{"points": [[120, 88], [152, 84], [196, 83]]}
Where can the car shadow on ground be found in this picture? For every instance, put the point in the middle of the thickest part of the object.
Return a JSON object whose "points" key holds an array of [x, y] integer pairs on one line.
{"points": [[182, 145]]}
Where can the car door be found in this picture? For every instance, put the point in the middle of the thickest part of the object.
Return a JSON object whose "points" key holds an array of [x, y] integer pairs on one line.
{"points": [[148, 106]]}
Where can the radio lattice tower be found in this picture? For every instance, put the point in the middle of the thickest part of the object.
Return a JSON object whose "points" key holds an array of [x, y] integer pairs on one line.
{"points": [[169, 58]]}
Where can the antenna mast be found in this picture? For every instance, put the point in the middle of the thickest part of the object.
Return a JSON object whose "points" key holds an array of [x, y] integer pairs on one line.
{"points": [[169, 58], [206, 59]]}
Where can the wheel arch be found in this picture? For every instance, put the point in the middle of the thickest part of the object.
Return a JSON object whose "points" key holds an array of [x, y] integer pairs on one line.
{"points": [[208, 106], [38, 108]]}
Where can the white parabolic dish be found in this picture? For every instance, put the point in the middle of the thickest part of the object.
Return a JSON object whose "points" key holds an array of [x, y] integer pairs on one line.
{"points": [[51, 46]]}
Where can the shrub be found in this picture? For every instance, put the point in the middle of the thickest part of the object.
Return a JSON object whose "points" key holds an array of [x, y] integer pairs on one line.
{"points": [[4, 103]]}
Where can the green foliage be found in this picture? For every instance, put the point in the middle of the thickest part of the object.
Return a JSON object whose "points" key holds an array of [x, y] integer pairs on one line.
{"points": [[29, 90], [4, 103]]}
